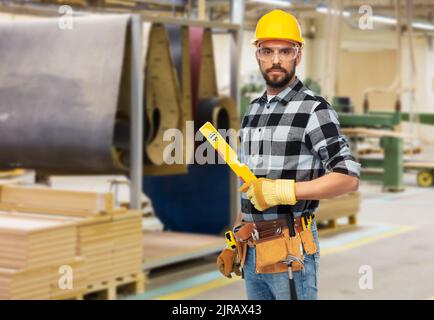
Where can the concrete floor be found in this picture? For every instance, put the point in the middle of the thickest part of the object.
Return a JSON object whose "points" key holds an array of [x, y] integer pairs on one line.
{"points": [[394, 238]]}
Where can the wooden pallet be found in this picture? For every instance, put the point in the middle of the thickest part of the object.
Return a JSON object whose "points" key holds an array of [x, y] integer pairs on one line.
{"points": [[331, 210], [75, 296], [332, 226], [110, 290]]}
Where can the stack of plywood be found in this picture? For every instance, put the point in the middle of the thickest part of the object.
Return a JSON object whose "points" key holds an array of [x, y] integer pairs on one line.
{"points": [[112, 246], [25, 284], [35, 242], [118, 184], [44, 200], [127, 243], [30, 248], [95, 245], [61, 287], [48, 231]]}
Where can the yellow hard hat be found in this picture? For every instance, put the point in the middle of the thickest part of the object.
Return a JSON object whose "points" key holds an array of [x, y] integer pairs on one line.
{"points": [[279, 25]]}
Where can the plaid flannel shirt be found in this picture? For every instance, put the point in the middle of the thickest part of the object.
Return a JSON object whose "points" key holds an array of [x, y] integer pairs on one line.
{"points": [[295, 135]]}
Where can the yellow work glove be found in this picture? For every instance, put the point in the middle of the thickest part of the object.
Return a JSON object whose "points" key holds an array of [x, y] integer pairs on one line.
{"points": [[227, 262], [266, 193]]}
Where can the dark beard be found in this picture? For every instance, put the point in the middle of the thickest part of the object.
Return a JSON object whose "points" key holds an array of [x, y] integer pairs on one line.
{"points": [[282, 83]]}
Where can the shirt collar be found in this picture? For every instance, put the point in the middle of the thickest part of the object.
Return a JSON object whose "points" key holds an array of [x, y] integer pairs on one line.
{"points": [[286, 94], [263, 98]]}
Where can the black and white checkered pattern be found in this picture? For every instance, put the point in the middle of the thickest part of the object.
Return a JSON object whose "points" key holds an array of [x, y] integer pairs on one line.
{"points": [[295, 135]]}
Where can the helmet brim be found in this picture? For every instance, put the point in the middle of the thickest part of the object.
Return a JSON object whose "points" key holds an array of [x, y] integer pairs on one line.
{"points": [[257, 42]]}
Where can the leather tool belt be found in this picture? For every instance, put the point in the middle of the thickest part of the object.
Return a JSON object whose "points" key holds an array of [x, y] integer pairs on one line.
{"points": [[273, 243]]}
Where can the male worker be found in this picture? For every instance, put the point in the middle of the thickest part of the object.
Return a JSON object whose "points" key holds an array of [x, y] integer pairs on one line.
{"points": [[289, 138]]}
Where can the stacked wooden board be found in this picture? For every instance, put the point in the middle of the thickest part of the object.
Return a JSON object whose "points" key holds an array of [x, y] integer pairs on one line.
{"points": [[95, 245], [32, 242], [112, 246], [32, 249], [52, 201], [118, 184], [100, 244], [61, 288], [25, 284], [127, 234]]}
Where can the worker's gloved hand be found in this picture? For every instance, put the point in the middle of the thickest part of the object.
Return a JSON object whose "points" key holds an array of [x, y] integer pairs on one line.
{"points": [[228, 262], [266, 193]]}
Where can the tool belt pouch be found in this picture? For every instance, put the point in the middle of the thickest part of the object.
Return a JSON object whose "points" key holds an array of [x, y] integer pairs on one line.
{"points": [[270, 253], [296, 249], [242, 250], [244, 231], [308, 241], [243, 234]]}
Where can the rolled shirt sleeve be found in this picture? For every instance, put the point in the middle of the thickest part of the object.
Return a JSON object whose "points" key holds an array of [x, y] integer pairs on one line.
{"points": [[325, 140]]}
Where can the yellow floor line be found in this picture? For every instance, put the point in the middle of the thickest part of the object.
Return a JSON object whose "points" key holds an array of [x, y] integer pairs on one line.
{"points": [[199, 289], [224, 281], [367, 240]]}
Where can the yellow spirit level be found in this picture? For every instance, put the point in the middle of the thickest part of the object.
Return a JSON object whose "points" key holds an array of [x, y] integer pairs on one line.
{"points": [[226, 152]]}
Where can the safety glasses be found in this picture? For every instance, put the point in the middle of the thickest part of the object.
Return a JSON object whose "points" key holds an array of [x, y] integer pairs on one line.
{"points": [[285, 54]]}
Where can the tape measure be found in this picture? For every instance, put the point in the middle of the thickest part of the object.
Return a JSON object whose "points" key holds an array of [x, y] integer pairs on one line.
{"points": [[226, 152], [230, 240]]}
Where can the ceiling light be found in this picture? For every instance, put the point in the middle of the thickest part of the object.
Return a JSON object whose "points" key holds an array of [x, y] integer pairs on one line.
{"points": [[323, 9], [279, 3], [416, 25], [381, 19], [423, 26]]}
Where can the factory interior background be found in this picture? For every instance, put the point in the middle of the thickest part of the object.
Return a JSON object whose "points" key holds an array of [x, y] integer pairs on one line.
{"points": [[90, 208]]}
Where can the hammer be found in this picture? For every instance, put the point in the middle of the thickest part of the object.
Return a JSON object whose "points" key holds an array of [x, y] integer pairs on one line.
{"points": [[289, 260]]}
